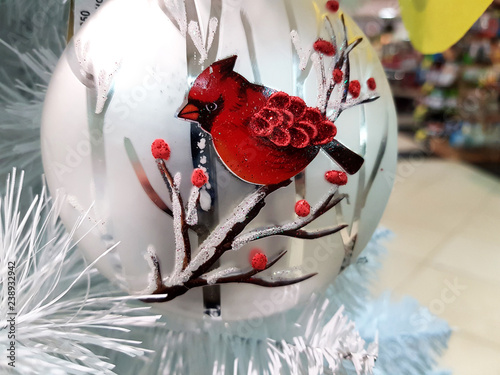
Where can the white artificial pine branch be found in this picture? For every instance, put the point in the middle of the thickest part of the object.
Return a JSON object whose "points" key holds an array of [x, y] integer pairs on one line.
{"points": [[63, 309], [21, 107]]}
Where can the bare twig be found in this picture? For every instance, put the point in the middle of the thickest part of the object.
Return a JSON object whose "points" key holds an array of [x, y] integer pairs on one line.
{"points": [[361, 100], [238, 277], [307, 235], [154, 263], [272, 284], [143, 178]]}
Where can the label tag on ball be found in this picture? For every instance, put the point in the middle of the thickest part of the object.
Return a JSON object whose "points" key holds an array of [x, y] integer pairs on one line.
{"points": [[82, 10]]}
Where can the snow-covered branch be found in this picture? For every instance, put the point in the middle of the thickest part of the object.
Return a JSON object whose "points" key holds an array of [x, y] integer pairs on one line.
{"points": [[227, 236], [292, 229], [182, 243]]}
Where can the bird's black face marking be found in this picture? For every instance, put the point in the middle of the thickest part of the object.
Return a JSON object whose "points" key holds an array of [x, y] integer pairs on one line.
{"points": [[208, 112]]}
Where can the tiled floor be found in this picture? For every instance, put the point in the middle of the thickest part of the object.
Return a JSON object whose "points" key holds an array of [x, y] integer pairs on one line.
{"points": [[446, 253]]}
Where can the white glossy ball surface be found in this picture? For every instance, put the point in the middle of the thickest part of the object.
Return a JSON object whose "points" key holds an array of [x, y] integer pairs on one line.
{"points": [[137, 57]]}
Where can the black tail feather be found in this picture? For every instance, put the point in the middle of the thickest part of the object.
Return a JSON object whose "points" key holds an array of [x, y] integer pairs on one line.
{"points": [[347, 159]]}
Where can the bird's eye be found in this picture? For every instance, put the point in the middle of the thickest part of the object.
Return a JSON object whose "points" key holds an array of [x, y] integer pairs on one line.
{"points": [[211, 107]]}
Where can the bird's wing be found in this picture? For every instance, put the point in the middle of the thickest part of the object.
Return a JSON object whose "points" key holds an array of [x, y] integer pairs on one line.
{"points": [[287, 121]]}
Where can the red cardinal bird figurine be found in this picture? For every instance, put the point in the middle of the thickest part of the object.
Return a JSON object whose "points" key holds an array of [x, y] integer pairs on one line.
{"points": [[263, 136]]}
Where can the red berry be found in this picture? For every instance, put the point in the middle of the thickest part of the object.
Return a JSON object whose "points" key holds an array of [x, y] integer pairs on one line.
{"points": [[324, 47], [199, 177], [302, 208], [372, 85], [259, 261], [354, 88], [332, 6], [160, 149], [336, 177], [338, 76]]}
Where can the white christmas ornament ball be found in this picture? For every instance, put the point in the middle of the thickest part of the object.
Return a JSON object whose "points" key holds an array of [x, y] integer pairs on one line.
{"points": [[222, 214]]}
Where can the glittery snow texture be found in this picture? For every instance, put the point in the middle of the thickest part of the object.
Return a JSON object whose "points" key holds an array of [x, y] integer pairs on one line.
{"points": [[213, 276], [178, 11], [180, 249], [102, 78], [192, 211], [304, 54], [197, 38]]}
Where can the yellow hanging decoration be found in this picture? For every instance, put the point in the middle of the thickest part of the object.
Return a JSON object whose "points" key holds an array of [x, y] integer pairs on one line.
{"points": [[435, 25]]}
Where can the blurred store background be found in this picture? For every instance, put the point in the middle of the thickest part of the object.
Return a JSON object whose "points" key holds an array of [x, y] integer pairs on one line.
{"points": [[445, 208], [448, 103]]}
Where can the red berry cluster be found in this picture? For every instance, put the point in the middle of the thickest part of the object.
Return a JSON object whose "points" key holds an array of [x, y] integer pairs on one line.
{"points": [[287, 121], [324, 47], [160, 149]]}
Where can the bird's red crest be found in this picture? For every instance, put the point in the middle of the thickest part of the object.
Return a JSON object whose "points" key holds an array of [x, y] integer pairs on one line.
{"points": [[224, 66], [207, 86]]}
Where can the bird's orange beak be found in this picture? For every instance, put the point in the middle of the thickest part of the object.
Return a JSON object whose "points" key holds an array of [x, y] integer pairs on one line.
{"points": [[189, 112]]}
